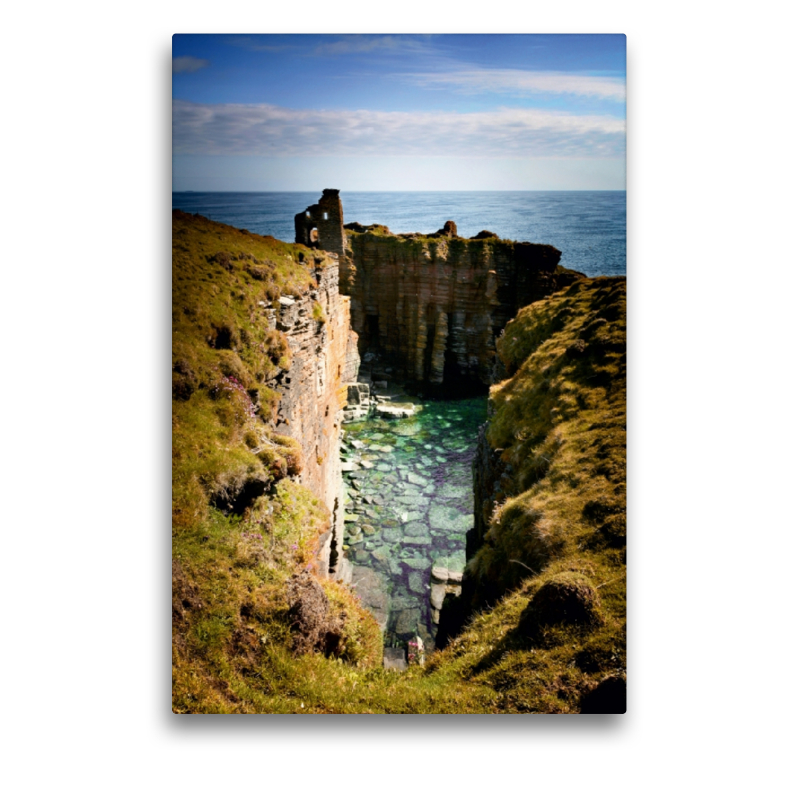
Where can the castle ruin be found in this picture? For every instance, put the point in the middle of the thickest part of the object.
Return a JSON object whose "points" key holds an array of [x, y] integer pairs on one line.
{"points": [[321, 225]]}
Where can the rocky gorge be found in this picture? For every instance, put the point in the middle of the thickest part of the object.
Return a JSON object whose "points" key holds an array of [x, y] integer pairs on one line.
{"points": [[346, 378]]}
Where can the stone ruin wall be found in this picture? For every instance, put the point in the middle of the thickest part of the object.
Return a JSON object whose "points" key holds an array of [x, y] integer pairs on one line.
{"points": [[322, 225]]}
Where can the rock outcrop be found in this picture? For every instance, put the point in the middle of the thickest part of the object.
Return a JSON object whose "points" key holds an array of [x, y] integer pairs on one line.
{"points": [[431, 304], [317, 327], [443, 582], [434, 305]]}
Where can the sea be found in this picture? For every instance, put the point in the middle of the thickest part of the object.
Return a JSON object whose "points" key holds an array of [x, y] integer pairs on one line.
{"points": [[589, 228]]}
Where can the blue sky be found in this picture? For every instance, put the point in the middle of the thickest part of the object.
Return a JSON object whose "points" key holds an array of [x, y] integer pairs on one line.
{"points": [[384, 112]]}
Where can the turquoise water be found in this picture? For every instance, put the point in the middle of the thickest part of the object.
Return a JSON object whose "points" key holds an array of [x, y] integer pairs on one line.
{"points": [[588, 227], [409, 508]]}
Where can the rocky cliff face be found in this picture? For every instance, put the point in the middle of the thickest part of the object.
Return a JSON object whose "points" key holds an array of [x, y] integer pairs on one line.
{"points": [[324, 358], [487, 472], [434, 305]]}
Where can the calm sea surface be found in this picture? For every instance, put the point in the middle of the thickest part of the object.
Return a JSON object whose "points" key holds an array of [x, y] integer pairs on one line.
{"points": [[588, 227]]}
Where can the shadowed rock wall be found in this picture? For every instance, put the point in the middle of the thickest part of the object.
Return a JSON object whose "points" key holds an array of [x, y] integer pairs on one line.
{"points": [[435, 305], [324, 357]]}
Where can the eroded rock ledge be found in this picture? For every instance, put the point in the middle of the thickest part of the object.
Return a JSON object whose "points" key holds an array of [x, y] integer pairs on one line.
{"points": [[324, 358], [432, 304]]}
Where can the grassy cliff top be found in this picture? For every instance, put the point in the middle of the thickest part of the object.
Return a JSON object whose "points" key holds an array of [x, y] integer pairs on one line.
{"points": [[225, 360]]}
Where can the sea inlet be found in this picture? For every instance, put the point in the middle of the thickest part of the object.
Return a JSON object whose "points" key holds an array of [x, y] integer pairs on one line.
{"points": [[408, 507]]}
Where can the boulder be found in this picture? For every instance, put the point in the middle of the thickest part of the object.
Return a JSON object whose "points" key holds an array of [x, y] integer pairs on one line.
{"points": [[566, 598]]}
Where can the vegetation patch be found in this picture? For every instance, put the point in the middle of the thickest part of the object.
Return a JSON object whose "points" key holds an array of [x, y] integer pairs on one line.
{"points": [[568, 598]]}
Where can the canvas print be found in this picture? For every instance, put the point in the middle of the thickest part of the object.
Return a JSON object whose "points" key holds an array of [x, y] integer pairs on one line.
{"points": [[399, 374]]}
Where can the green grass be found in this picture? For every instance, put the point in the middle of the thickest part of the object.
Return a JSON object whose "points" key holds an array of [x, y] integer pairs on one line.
{"points": [[559, 422], [224, 282]]}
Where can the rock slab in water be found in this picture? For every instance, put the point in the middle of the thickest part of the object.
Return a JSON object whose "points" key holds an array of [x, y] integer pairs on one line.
{"points": [[373, 589], [395, 410]]}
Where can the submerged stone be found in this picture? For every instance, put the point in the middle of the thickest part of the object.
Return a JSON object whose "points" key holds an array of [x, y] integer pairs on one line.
{"points": [[423, 483], [373, 589], [416, 582], [416, 563], [452, 492], [449, 519], [401, 601], [415, 529], [407, 621]]}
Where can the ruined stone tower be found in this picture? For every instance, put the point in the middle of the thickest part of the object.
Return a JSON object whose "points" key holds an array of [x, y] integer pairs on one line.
{"points": [[321, 225]]}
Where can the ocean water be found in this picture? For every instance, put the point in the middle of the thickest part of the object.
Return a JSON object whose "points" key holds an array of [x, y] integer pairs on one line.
{"points": [[588, 227]]}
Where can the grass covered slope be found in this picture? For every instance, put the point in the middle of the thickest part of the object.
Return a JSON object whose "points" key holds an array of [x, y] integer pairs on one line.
{"points": [[241, 526], [553, 556], [225, 361], [559, 425]]}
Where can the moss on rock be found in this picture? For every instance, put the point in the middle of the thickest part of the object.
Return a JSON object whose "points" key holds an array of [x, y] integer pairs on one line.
{"points": [[566, 598]]}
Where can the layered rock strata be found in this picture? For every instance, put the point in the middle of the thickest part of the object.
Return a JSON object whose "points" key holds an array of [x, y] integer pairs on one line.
{"points": [[434, 305], [488, 471], [317, 327]]}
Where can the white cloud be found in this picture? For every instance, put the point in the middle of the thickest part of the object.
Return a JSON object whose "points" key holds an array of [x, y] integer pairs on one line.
{"points": [[267, 130], [523, 82], [188, 64], [258, 44], [358, 43]]}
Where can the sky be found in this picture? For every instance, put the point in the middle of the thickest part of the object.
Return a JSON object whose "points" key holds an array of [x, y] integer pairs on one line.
{"points": [[398, 112]]}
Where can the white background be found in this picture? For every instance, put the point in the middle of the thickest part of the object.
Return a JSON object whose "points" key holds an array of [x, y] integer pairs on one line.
{"points": [[713, 269]]}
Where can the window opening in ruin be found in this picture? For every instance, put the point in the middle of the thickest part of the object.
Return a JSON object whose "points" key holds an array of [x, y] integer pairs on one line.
{"points": [[324, 215], [308, 215], [313, 236]]}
